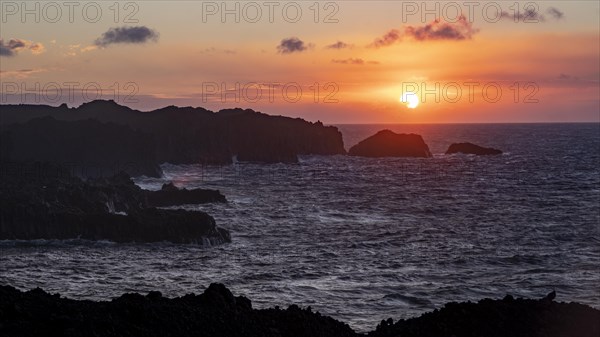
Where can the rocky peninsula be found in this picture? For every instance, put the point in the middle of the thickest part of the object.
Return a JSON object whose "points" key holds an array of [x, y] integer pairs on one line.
{"points": [[44, 201], [176, 135]]}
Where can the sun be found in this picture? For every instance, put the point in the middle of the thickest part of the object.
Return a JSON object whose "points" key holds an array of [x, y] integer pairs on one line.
{"points": [[410, 99]]}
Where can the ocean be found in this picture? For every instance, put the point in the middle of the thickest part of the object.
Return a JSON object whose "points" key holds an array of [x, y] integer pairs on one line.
{"points": [[363, 239]]}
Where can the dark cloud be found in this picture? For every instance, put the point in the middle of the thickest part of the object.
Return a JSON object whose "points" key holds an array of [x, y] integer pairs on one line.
{"points": [[567, 77], [354, 61], [389, 38], [292, 45], [440, 30], [436, 30], [15, 45], [5, 50], [555, 13], [139, 34], [531, 15], [339, 45]]}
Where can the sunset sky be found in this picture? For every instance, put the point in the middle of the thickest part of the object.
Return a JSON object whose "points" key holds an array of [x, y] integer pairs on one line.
{"points": [[369, 53]]}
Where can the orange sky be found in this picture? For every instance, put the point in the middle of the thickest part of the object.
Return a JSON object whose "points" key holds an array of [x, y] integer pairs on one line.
{"points": [[547, 71]]}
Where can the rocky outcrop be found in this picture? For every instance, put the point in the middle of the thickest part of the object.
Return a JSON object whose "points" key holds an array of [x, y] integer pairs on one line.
{"points": [[169, 195], [386, 143], [499, 318], [44, 201], [217, 312], [470, 148], [89, 148], [195, 135]]}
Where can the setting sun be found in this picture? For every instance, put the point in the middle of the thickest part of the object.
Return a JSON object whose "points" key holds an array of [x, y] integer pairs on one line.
{"points": [[410, 99]]}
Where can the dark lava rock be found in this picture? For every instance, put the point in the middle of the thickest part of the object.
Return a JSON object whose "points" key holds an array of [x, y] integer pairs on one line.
{"points": [[217, 312], [469, 148], [499, 318], [91, 148], [169, 195], [189, 135], [386, 143], [44, 201]]}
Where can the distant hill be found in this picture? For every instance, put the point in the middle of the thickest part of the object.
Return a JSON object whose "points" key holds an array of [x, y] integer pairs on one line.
{"points": [[87, 148], [172, 134]]}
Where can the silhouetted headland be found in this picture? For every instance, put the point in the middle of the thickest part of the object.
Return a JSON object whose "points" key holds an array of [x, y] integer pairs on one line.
{"points": [[169, 135], [217, 312]]}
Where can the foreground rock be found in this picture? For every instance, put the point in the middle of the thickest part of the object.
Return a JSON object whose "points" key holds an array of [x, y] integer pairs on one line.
{"points": [[169, 195], [44, 201], [386, 143], [470, 148], [499, 318], [217, 312], [185, 135]]}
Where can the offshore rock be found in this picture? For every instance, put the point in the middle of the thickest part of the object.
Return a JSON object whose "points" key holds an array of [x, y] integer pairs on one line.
{"points": [[386, 143], [470, 148]]}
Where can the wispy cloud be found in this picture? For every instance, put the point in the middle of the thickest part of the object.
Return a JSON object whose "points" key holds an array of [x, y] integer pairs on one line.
{"points": [[441, 30], [387, 39], [354, 61], [436, 30], [531, 15], [555, 13], [21, 73], [339, 45]]}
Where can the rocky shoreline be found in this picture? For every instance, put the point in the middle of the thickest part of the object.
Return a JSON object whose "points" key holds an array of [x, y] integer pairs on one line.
{"points": [[44, 201], [217, 312], [104, 133]]}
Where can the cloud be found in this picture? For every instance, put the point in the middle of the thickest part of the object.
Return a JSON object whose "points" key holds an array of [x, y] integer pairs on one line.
{"points": [[292, 45], [134, 35], [555, 13], [354, 61], [563, 77], [213, 50], [532, 15], [436, 30], [15, 45], [37, 48], [388, 39], [440, 30], [88, 48], [339, 45], [21, 73]]}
